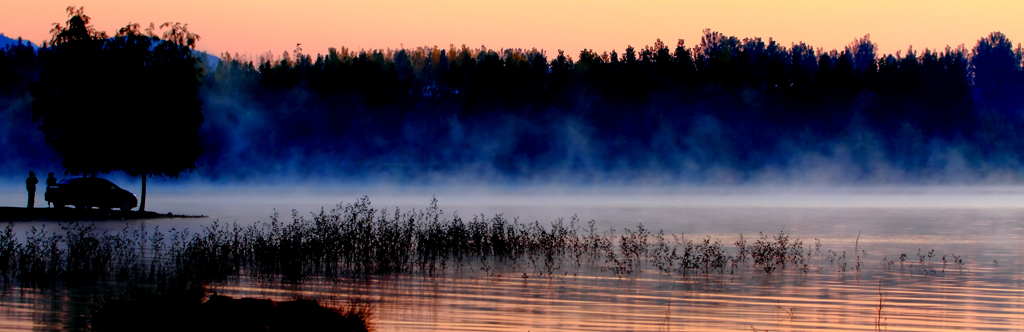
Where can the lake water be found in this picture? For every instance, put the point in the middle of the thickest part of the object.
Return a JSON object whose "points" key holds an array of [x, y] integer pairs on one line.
{"points": [[982, 225]]}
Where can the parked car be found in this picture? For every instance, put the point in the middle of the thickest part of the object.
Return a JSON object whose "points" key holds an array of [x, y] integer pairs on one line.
{"points": [[86, 193]]}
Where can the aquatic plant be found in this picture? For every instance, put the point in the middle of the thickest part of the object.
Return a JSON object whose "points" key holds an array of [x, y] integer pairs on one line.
{"points": [[357, 240]]}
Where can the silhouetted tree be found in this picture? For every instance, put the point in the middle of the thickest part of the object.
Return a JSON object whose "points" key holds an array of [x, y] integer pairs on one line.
{"points": [[127, 103], [997, 70]]}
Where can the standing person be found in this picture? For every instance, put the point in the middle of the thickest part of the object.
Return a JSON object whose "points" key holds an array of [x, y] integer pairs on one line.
{"points": [[50, 181], [30, 185]]}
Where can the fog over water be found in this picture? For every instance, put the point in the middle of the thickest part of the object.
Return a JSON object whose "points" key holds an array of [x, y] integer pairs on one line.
{"points": [[722, 211], [189, 198]]}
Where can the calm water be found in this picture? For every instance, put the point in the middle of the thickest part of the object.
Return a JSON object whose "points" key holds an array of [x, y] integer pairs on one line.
{"points": [[984, 226]]}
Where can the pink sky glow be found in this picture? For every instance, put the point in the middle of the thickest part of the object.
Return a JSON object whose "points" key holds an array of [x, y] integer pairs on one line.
{"points": [[254, 27]]}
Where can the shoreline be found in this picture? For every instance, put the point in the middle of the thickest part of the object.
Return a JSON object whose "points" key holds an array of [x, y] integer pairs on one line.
{"points": [[71, 214]]}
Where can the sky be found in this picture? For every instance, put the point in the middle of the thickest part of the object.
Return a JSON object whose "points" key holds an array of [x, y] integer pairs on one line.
{"points": [[255, 27]]}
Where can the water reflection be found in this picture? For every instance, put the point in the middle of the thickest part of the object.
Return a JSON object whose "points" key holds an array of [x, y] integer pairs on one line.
{"points": [[985, 293], [471, 301]]}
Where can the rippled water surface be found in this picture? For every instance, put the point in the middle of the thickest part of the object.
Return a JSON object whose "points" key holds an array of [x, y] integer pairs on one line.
{"points": [[862, 291]]}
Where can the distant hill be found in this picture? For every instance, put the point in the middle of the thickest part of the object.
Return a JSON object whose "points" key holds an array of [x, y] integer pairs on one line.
{"points": [[8, 41], [209, 60], [5, 41]]}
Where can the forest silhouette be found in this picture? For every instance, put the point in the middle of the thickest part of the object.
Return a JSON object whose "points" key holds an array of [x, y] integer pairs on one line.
{"points": [[726, 110]]}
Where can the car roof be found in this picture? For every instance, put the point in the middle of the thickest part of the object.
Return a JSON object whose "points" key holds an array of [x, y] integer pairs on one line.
{"points": [[85, 181]]}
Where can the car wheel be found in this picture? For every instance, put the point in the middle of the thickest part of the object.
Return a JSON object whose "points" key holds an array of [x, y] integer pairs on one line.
{"points": [[126, 207]]}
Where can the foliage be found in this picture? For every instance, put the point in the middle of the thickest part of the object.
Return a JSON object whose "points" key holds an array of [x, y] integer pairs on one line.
{"points": [[123, 103]]}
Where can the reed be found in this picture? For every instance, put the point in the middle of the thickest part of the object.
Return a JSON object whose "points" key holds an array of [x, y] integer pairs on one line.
{"points": [[357, 240]]}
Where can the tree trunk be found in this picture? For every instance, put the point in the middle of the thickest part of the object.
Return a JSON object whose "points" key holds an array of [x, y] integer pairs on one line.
{"points": [[142, 203]]}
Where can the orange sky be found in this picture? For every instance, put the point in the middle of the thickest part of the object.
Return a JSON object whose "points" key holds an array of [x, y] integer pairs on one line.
{"points": [[256, 26]]}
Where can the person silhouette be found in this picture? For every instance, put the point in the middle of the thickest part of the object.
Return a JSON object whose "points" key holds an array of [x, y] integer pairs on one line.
{"points": [[50, 181], [30, 185]]}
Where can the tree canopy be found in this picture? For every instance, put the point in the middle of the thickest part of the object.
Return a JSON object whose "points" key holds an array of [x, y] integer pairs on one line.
{"points": [[123, 103]]}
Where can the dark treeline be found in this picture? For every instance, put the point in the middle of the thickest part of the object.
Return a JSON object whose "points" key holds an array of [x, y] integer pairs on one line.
{"points": [[727, 110], [23, 145]]}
